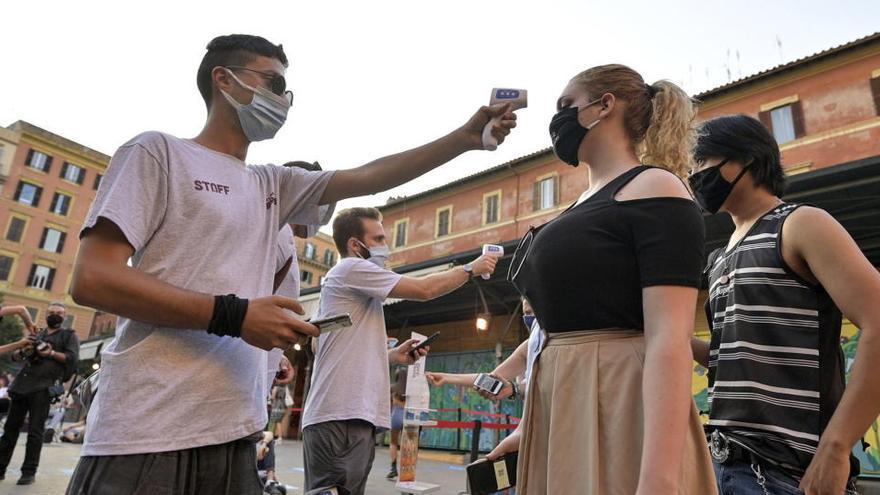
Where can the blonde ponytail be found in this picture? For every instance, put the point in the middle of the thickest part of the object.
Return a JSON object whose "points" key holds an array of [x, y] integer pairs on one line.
{"points": [[659, 118], [671, 135]]}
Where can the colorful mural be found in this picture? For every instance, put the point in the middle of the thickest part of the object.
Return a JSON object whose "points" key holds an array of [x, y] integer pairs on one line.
{"points": [[452, 397]]}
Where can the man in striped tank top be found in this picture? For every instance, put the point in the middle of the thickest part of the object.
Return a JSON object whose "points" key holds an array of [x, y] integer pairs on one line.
{"points": [[780, 420]]}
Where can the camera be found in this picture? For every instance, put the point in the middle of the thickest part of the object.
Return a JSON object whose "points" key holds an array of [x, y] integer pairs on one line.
{"points": [[32, 353]]}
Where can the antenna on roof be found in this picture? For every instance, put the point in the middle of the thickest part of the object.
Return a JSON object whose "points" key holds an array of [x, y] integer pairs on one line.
{"points": [[779, 46]]}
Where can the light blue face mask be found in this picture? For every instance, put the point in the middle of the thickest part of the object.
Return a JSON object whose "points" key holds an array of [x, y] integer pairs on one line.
{"points": [[378, 254], [263, 116]]}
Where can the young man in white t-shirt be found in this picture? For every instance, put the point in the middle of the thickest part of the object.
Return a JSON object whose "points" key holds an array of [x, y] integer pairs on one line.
{"points": [[183, 383], [349, 396]]}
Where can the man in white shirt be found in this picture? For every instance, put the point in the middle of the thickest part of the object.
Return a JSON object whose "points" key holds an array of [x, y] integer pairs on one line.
{"points": [[200, 227], [349, 396]]}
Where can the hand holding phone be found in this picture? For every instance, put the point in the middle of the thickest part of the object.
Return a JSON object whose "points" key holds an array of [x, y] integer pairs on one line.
{"points": [[423, 344], [488, 383]]}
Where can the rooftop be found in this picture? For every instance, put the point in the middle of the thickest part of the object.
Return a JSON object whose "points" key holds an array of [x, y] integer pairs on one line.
{"points": [[28, 128]]}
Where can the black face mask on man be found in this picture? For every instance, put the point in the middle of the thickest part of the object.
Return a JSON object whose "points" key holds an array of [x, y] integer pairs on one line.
{"points": [[54, 321], [710, 188], [567, 133]]}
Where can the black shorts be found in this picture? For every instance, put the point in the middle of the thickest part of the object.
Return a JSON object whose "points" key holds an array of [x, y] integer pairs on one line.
{"points": [[225, 469]]}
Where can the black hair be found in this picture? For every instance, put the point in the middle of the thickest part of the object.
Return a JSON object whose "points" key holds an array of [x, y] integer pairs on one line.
{"points": [[744, 139], [311, 167], [233, 49]]}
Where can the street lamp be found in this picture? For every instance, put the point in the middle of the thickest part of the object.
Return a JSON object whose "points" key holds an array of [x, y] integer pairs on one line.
{"points": [[96, 366]]}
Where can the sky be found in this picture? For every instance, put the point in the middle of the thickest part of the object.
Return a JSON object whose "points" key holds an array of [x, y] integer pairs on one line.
{"points": [[378, 77]]}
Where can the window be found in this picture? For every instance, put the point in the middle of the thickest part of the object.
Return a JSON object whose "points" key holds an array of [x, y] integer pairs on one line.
{"points": [[546, 193], [53, 240], [28, 194], [329, 257], [6, 267], [400, 233], [68, 322], [444, 221], [34, 312], [491, 207], [73, 173], [782, 124], [310, 251], [38, 161], [305, 277], [16, 229], [41, 277], [97, 184], [784, 118], [60, 204]]}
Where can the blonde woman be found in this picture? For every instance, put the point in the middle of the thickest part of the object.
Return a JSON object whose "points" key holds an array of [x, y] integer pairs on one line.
{"points": [[613, 281]]}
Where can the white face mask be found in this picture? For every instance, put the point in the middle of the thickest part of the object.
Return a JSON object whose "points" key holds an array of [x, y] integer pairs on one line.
{"points": [[378, 254], [263, 116]]}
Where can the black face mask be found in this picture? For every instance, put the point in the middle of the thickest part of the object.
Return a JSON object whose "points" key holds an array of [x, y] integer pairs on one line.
{"points": [[567, 133], [710, 188], [54, 321]]}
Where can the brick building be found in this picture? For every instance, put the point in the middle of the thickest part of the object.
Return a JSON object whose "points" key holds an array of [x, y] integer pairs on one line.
{"points": [[48, 184], [316, 255]]}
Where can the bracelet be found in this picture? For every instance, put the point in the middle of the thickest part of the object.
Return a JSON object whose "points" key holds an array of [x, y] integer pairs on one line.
{"points": [[515, 393], [228, 316]]}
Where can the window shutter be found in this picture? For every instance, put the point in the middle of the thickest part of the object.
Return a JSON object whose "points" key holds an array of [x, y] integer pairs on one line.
{"points": [[50, 279], [54, 203], [82, 176], [797, 115], [31, 275], [48, 165], [64, 167], [557, 190], [37, 197], [536, 196], [43, 238], [18, 190], [61, 242], [30, 157], [765, 119], [875, 92]]}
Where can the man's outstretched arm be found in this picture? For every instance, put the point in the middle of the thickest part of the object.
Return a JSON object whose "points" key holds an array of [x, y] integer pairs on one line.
{"points": [[393, 170]]}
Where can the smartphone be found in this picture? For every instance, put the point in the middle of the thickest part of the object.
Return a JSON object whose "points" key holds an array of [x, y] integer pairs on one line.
{"points": [[425, 343], [488, 383], [332, 323]]}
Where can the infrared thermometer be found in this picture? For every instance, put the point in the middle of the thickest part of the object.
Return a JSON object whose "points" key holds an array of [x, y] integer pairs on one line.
{"points": [[518, 98], [493, 249]]}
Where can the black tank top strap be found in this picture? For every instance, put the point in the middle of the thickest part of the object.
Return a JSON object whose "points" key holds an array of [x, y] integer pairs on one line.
{"points": [[613, 187]]}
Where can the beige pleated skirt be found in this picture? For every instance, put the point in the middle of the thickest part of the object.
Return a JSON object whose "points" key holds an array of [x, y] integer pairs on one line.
{"points": [[583, 423]]}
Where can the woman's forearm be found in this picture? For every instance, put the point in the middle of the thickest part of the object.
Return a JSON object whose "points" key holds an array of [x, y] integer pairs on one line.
{"points": [[666, 395]]}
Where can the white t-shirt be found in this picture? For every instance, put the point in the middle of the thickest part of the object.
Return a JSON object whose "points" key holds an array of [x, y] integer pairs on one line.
{"points": [[289, 288], [351, 378], [203, 221]]}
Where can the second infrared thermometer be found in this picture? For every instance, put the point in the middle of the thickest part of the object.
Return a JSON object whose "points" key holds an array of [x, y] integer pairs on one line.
{"points": [[493, 249], [518, 98]]}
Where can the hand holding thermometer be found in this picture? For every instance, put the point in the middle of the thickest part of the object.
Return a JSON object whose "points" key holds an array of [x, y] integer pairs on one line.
{"points": [[493, 249], [517, 99]]}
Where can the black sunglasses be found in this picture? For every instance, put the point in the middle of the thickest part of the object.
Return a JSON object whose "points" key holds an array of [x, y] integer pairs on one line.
{"points": [[277, 83]]}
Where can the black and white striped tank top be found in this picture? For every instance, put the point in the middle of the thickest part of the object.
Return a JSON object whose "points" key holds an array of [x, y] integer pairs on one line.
{"points": [[775, 364]]}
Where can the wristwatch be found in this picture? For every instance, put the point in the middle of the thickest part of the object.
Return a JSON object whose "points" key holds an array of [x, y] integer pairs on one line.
{"points": [[468, 268]]}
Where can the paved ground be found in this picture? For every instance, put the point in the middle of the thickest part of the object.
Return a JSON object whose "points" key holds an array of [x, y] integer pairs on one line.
{"points": [[58, 461]]}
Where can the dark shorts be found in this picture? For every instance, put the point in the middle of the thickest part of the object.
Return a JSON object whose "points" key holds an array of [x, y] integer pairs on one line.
{"points": [[226, 469], [267, 463], [339, 454]]}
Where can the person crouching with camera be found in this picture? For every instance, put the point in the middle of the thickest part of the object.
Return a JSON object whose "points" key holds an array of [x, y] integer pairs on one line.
{"points": [[49, 358]]}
